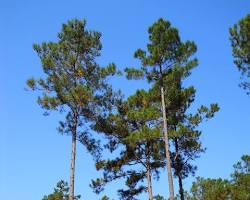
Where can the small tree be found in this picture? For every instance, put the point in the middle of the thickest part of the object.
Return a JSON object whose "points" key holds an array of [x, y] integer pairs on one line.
{"points": [[238, 187], [105, 198], [159, 197], [210, 189], [240, 41], [165, 51], [61, 192], [241, 179], [134, 133], [73, 83]]}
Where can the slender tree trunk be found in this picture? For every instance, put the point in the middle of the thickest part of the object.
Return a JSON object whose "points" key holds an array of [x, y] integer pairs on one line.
{"points": [[150, 191], [181, 190], [178, 170], [72, 167], [165, 129], [148, 168]]}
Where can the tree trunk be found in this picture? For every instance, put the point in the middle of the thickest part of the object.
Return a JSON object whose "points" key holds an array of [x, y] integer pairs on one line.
{"points": [[150, 191], [178, 170], [72, 167], [165, 129], [181, 191], [148, 168]]}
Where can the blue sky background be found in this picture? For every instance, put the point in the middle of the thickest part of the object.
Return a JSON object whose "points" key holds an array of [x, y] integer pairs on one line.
{"points": [[33, 157]]}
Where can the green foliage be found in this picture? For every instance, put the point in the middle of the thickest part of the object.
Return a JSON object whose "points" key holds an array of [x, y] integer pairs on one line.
{"points": [[241, 179], [137, 127], [238, 187], [240, 41], [61, 192], [183, 126], [73, 83], [165, 51], [132, 73], [210, 189], [159, 197], [134, 133], [105, 198], [166, 63]]}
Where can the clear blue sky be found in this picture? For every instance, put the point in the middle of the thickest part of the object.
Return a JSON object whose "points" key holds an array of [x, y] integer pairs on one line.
{"points": [[33, 157]]}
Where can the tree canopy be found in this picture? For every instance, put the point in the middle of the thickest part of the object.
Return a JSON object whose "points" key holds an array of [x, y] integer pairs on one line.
{"points": [[134, 139], [238, 187], [134, 133], [240, 42], [61, 192], [74, 84]]}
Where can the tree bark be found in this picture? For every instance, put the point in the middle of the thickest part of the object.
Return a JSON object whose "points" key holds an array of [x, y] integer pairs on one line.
{"points": [[72, 167], [165, 130], [181, 190], [150, 191], [148, 168], [178, 170]]}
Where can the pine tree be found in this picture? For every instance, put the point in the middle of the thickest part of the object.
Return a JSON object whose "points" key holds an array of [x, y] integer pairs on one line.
{"points": [[210, 189], [61, 192], [237, 187], [134, 132], [165, 51], [241, 179], [73, 83], [240, 42]]}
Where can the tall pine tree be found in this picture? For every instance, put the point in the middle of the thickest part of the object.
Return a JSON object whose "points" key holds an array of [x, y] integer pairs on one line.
{"points": [[165, 51], [73, 83]]}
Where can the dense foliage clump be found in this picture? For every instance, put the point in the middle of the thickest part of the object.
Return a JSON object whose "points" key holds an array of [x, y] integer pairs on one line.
{"points": [[240, 42]]}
